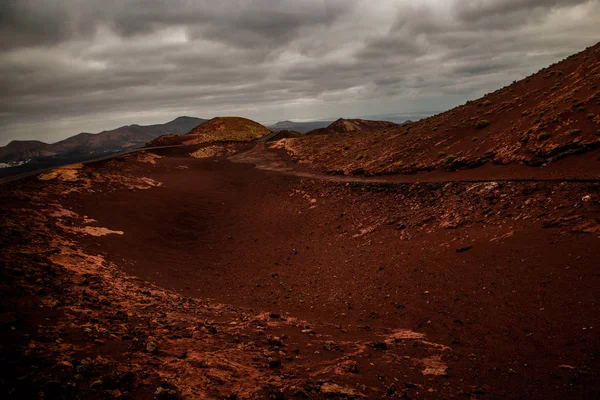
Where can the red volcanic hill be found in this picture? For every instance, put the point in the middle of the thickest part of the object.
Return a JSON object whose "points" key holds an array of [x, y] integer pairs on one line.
{"points": [[218, 129], [353, 125], [546, 116], [18, 150]]}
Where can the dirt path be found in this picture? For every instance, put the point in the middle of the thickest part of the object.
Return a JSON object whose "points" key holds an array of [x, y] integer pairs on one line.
{"points": [[566, 170]]}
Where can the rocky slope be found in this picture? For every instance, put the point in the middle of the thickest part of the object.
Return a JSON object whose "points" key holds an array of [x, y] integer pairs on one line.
{"points": [[544, 117], [353, 126]]}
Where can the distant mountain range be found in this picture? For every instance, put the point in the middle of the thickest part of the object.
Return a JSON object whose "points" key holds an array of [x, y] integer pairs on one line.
{"points": [[27, 155]]}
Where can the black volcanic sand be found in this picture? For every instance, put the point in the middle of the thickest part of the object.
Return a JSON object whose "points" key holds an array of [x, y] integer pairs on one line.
{"points": [[507, 278]]}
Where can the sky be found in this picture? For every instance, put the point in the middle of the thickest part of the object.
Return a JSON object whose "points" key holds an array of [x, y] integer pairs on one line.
{"points": [[70, 66]]}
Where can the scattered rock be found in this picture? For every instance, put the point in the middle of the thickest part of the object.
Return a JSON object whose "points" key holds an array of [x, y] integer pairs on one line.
{"points": [[434, 366], [64, 364], [166, 393], [350, 366], [330, 346], [275, 341], [463, 249], [211, 329], [151, 347], [380, 345], [333, 390], [97, 384], [449, 225]]}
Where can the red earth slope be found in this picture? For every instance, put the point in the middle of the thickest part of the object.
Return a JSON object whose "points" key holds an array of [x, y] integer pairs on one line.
{"points": [[544, 117], [164, 276], [353, 125]]}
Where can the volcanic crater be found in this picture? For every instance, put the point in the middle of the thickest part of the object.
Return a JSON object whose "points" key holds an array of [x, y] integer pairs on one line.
{"points": [[223, 266]]}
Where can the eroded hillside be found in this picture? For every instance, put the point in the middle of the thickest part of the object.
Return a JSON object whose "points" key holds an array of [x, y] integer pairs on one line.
{"points": [[219, 129], [544, 117]]}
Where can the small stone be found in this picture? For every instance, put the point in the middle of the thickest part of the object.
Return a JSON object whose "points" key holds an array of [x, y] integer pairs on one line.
{"points": [[275, 341], [350, 366], [463, 249], [115, 394], [298, 392], [380, 345], [97, 384], [164, 393], [448, 225], [565, 366], [150, 347], [586, 198], [211, 329], [64, 364], [333, 390], [330, 346]]}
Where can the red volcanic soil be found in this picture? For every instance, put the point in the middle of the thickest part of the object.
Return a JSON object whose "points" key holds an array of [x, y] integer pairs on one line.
{"points": [[166, 276], [547, 116]]}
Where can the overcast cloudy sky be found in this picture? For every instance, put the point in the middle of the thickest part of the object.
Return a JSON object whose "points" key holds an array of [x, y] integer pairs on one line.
{"points": [[68, 66]]}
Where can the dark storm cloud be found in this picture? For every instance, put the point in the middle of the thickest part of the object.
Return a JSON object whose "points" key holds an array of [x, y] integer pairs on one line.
{"points": [[87, 65], [22, 24]]}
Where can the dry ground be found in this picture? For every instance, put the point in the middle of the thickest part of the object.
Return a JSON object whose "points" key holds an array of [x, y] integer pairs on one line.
{"points": [[167, 276]]}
